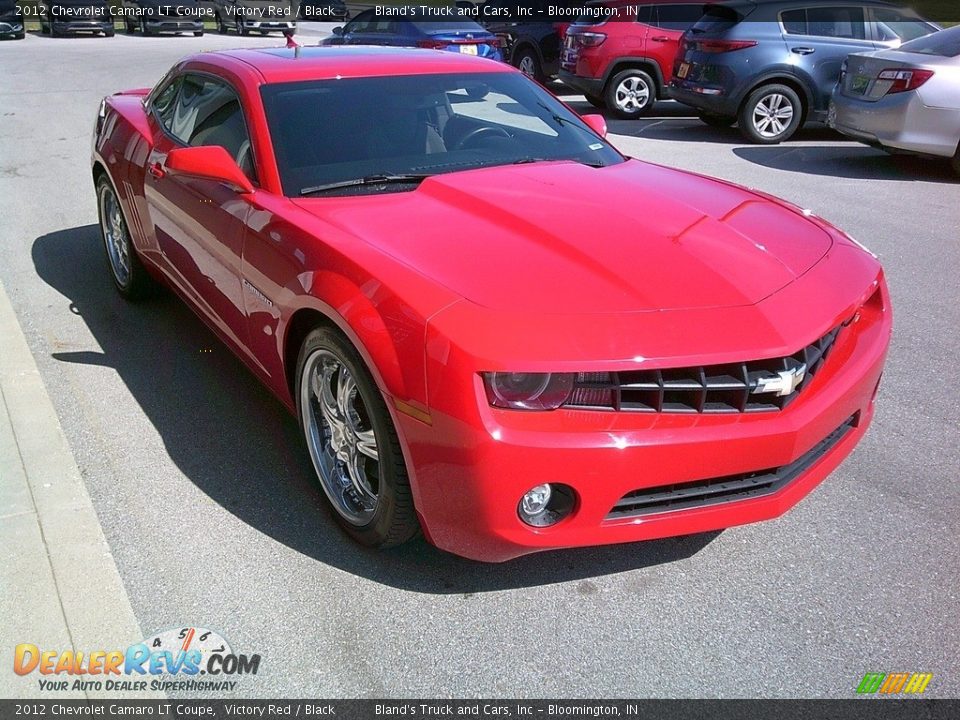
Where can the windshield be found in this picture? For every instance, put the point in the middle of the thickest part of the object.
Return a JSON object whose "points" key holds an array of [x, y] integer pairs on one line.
{"points": [[945, 43], [419, 125]]}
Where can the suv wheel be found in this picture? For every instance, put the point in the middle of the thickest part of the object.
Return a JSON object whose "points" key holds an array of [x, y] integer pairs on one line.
{"points": [[771, 115], [630, 94], [955, 162], [526, 61]]}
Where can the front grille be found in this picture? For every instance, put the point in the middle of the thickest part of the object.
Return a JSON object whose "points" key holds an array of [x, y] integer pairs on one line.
{"points": [[714, 491], [733, 388]]}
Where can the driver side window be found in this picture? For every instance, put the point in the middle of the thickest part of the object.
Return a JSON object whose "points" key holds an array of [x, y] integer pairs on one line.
{"points": [[208, 112]]}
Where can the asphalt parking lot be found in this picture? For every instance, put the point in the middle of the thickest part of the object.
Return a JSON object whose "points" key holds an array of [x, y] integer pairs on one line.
{"points": [[203, 489]]}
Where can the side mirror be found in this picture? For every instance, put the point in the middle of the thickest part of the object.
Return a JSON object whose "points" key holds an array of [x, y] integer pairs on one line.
{"points": [[210, 162], [338, 30], [597, 123]]}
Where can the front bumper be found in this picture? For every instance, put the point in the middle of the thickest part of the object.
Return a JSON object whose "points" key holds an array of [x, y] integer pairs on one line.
{"points": [[470, 467], [163, 24], [269, 25], [900, 122], [74, 26]]}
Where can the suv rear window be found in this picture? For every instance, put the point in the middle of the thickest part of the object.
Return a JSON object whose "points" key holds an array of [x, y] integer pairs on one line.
{"points": [[945, 43], [677, 17], [716, 19], [830, 22]]}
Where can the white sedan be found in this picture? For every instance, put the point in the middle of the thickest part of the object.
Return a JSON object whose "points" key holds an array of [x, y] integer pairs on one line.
{"points": [[906, 99]]}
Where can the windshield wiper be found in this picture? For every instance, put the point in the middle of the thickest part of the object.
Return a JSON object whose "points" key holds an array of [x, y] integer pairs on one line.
{"points": [[382, 179], [527, 160]]}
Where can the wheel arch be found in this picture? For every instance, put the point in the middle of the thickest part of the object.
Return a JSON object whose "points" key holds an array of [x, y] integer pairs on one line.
{"points": [[792, 82], [347, 310], [526, 44], [639, 62]]}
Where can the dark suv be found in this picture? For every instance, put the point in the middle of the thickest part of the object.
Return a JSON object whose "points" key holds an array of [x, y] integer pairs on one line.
{"points": [[532, 46], [771, 65]]}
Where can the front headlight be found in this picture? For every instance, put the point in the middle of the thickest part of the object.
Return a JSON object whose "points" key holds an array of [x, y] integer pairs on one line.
{"points": [[528, 391]]}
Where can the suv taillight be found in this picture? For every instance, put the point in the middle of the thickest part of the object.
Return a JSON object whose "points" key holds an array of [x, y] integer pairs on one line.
{"points": [[589, 39], [905, 80], [722, 46]]}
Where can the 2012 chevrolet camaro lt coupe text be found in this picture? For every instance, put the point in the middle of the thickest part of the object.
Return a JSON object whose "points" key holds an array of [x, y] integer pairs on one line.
{"points": [[493, 327]]}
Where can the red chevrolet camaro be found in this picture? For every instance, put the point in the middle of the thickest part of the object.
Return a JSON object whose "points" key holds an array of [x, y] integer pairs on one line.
{"points": [[493, 327]]}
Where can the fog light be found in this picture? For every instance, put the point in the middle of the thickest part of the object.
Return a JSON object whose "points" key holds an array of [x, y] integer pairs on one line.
{"points": [[546, 505], [535, 501]]}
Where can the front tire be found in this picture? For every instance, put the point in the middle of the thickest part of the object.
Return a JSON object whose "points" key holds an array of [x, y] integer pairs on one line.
{"points": [[129, 276], [630, 94], [771, 115], [955, 161], [352, 442], [198, 33]]}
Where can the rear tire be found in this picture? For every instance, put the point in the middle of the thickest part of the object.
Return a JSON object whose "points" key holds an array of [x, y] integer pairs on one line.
{"points": [[129, 276], [198, 33], [771, 115], [109, 33], [341, 410], [630, 94], [955, 161]]}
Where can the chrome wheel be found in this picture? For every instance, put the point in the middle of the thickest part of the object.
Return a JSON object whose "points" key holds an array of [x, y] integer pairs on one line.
{"points": [[528, 66], [772, 115], [632, 94], [340, 437], [115, 236]]}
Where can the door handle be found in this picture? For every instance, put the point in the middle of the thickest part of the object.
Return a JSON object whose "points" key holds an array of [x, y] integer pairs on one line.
{"points": [[156, 169], [660, 38], [803, 50]]}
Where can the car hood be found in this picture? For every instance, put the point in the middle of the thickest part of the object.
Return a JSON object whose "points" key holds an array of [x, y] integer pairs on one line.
{"points": [[562, 237]]}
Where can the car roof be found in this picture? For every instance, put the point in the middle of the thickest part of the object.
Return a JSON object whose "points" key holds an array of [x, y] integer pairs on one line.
{"points": [[278, 64]]}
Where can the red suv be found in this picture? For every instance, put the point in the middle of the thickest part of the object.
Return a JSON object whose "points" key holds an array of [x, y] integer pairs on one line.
{"points": [[621, 55]]}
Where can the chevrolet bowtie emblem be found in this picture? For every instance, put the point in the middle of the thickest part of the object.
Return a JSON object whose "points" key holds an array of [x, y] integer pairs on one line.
{"points": [[783, 383]]}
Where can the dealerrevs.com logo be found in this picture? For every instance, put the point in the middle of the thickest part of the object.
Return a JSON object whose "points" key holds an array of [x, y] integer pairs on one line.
{"points": [[188, 659]]}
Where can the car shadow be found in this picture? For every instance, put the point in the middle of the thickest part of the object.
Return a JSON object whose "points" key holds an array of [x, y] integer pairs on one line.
{"points": [[241, 447], [854, 161]]}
